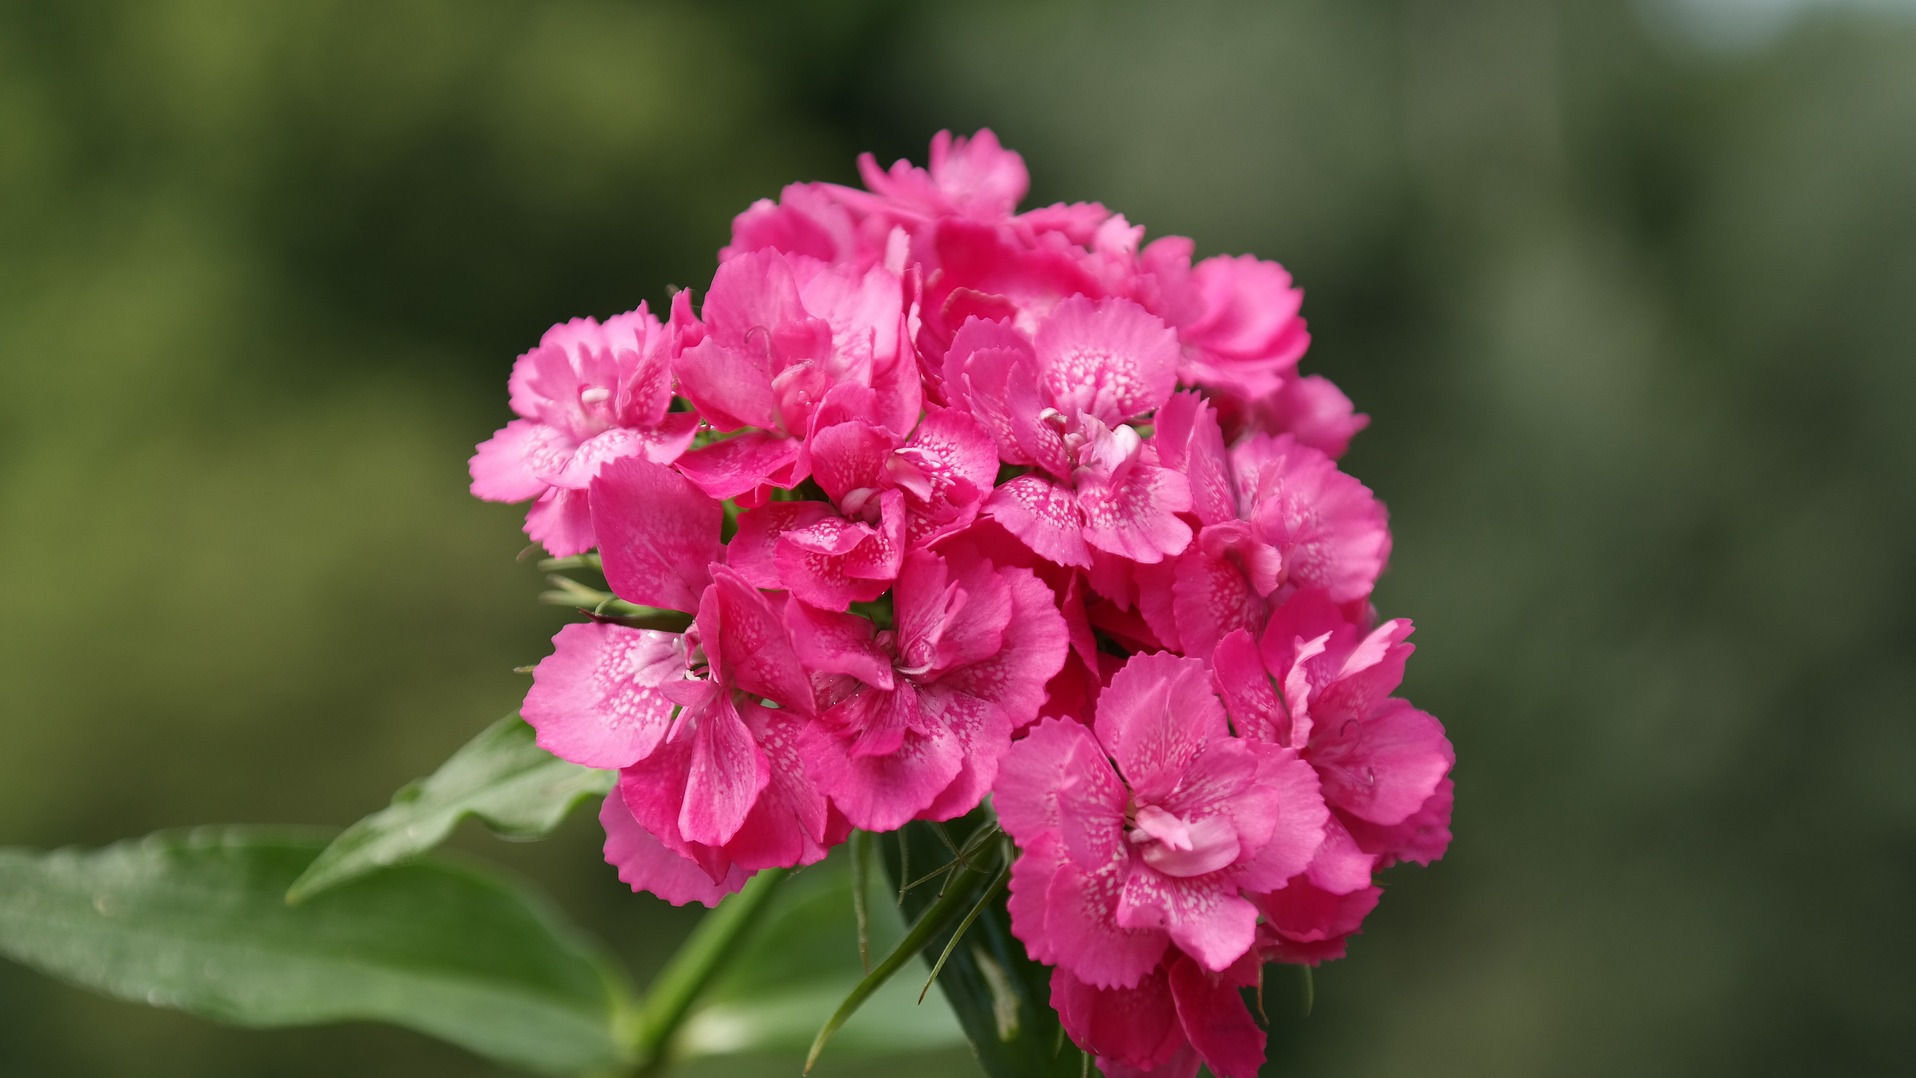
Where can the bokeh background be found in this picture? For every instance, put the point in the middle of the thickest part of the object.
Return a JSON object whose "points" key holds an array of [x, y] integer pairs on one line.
{"points": [[1627, 289]]}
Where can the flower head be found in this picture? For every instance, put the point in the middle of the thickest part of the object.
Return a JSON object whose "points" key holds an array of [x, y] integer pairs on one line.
{"points": [[590, 393], [927, 506]]}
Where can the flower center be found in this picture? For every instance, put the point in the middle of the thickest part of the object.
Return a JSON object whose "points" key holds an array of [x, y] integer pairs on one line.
{"points": [[861, 504], [1177, 847], [595, 410]]}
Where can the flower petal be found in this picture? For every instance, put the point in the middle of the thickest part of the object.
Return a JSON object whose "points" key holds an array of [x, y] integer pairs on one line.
{"points": [[1111, 358], [1086, 930], [501, 466], [658, 533], [1155, 717], [1216, 1022], [829, 642], [645, 864], [724, 775], [788, 821], [1211, 597], [1189, 441], [1131, 1031], [1055, 785], [561, 521], [1044, 516], [1422, 838], [731, 387], [595, 700], [882, 792], [744, 463], [983, 732], [1134, 513], [754, 648], [1385, 766], [1204, 915], [1288, 834], [848, 456]]}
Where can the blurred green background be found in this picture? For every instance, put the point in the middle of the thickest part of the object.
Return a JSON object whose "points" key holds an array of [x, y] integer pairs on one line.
{"points": [[1627, 289]]}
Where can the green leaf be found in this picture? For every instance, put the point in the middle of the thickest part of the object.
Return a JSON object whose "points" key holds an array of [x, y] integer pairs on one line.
{"points": [[501, 776], [1001, 997], [196, 921]]}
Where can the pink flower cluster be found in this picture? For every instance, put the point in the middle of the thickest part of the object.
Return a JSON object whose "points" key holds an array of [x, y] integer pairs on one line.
{"points": [[958, 502]]}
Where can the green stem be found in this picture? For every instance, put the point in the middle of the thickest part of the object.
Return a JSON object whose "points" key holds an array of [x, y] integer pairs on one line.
{"points": [[861, 842], [692, 969]]}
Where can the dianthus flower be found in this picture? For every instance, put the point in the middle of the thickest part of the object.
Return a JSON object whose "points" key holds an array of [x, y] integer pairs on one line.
{"points": [[928, 506], [1178, 1016], [914, 719], [1062, 402], [778, 339], [1150, 828], [703, 725], [1276, 516], [1317, 682], [588, 394]]}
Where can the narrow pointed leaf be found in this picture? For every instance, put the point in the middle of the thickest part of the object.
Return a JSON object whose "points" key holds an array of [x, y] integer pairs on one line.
{"points": [[935, 919], [197, 921], [1001, 998], [797, 965], [978, 910], [500, 776]]}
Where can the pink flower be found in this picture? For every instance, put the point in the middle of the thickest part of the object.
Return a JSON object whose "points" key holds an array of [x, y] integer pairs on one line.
{"points": [[708, 771], [1237, 317], [944, 471], [703, 725], [588, 394], [1318, 683], [913, 719], [1327, 529], [973, 270], [709, 768], [968, 178], [811, 219], [1061, 402], [644, 863], [1178, 1016], [1148, 829], [660, 534], [1305, 924], [988, 502], [1277, 516], [783, 337], [1310, 409], [888, 496], [819, 555]]}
